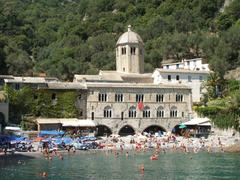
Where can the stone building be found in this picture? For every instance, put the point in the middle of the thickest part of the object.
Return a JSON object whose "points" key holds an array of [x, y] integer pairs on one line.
{"points": [[127, 101]]}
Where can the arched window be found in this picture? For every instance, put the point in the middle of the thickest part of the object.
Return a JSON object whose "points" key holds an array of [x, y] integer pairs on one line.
{"points": [[107, 112], [123, 50], [160, 111], [133, 50], [173, 111], [132, 113], [146, 112]]}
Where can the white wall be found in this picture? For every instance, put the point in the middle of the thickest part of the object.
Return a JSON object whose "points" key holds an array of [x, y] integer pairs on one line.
{"points": [[195, 84]]}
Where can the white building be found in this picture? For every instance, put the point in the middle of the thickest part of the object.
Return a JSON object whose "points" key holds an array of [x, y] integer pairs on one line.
{"points": [[188, 72]]}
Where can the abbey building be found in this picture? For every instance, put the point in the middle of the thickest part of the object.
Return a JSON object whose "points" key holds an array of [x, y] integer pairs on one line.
{"points": [[127, 100]]}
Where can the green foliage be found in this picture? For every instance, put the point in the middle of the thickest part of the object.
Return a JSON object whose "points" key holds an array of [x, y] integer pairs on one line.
{"points": [[63, 38], [224, 112], [32, 102]]}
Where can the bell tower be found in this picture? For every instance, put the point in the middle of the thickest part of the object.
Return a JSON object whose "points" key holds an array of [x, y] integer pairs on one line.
{"points": [[130, 53]]}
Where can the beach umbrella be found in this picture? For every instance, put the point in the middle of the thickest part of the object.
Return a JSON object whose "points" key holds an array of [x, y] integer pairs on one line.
{"points": [[38, 139], [182, 126]]}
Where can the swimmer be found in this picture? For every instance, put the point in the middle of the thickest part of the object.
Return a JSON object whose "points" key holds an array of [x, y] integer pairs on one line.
{"points": [[141, 168], [43, 174]]}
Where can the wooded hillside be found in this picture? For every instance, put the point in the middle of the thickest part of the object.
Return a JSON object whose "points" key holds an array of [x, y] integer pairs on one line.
{"points": [[67, 37]]}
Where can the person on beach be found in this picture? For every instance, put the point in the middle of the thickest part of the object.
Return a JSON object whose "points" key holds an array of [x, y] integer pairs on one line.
{"points": [[127, 154]]}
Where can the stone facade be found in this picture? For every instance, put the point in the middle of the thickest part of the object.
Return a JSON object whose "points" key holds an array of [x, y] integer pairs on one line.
{"points": [[120, 110]]}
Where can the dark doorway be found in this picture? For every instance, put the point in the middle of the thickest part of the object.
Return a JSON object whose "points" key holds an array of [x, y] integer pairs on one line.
{"points": [[154, 129], [2, 122], [126, 130], [103, 130]]}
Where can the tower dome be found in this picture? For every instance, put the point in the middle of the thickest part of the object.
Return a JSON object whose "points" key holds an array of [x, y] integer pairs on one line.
{"points": [[130, 53], [129, 37]]}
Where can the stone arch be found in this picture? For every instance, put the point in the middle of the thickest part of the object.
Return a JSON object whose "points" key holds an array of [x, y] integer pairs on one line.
{"points": [[126, 130], [154, 128], [103, 130]]}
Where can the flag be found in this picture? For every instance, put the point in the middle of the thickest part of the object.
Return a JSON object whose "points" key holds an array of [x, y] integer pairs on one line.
{"points": [[140, 105]]}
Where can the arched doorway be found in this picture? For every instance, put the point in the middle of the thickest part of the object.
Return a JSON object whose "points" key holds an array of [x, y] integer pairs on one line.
{"points": [[2, 122], [154, 129], [126, 130], [103, 130]]}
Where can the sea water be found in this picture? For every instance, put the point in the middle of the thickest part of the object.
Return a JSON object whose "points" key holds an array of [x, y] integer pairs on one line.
{"points": [[102, 165]]}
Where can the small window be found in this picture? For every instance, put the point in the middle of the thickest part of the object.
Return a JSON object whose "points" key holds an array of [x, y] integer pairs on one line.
{"points": [[133, 50], [17, 86], [188, 63], [167, 66], [79, 96], [179, 98], [80, 113], [200, 78], [177, 66], [123, 50], [54, 97], [122, 114], [123, 69], [118, 97], [102, 97], [182, 114], [159, 98], [132, 113], [146, 112], [92, 116], [177, 77], [139, 97], [189, 78], [173, 112], [107, 112], [169, 78], [35, 96]]}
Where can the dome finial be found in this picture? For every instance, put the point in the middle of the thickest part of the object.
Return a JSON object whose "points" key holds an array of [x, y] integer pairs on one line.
{"points": [[129, 27]]}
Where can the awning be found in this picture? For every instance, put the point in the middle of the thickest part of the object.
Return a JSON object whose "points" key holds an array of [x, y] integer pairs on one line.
{"points": [[13, 128], [198, 121], [79, 123], [67, 122]]}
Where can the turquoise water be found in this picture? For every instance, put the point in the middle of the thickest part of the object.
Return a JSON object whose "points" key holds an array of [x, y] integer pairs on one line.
{"points": [[88, 165]]}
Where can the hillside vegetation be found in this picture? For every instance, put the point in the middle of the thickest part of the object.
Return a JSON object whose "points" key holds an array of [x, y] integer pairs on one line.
{"points": [[66, 37]]}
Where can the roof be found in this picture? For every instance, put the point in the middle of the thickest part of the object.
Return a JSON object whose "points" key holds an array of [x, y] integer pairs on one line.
{"points": [[65, 85], [79, 123], [129, 37], [199, 122], [32, 80], [136, 85], [111, 78], [74, 122], [182, 71]]}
